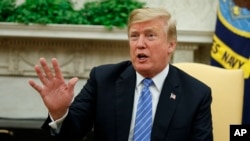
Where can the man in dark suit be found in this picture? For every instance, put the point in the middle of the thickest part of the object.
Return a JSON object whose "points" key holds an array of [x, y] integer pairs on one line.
{"points": [[180, 108]]}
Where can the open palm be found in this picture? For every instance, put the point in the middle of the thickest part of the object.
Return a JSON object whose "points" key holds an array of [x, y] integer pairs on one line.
{"points": [[55, 92]]}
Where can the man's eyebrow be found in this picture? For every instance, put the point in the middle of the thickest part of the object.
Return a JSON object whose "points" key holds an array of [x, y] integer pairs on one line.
{"points": [[149, 30], [133, 30], [145, 30]]}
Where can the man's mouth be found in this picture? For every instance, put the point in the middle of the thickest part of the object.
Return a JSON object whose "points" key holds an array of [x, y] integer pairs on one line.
{"points": [[142, 56]]}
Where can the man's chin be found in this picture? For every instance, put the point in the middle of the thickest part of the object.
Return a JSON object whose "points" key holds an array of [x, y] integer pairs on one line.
{"points": [[142, 68]]}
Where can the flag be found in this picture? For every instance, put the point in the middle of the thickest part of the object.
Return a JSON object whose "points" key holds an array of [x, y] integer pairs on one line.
{"points": [[231, 44], [172, 96]]}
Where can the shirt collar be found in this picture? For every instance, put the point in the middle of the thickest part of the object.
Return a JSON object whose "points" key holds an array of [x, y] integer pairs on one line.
{"points": [[158, 79]]}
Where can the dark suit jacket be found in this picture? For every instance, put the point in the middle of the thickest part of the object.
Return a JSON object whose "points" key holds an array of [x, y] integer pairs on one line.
{"points": [[106, 103]]}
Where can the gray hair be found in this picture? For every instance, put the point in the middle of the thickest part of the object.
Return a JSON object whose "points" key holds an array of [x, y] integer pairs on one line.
{"points": [[146, 14]]}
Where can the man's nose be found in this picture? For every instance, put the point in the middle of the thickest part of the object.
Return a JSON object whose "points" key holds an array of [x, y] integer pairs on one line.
{"points": [[140, 42]]}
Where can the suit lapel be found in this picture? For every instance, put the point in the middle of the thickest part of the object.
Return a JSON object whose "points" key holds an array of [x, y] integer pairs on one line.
{"points": [[125, 88], [166, 106]]}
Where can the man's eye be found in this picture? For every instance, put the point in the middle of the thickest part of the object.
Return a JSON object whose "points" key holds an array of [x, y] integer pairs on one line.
{"points": [[151, 36], [133, 36]]}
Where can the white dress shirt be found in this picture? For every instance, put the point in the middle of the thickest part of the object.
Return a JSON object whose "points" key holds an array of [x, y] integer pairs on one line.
{"points": [[154, 89]]}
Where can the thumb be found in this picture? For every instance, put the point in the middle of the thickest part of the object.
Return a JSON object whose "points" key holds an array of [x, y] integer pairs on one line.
{"points": [[72, 83]]}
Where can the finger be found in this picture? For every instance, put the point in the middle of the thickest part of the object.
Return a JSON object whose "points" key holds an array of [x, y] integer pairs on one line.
{"points": [[56, 66], [46, 68], [35, 86], [72, 83], [40, 75]]}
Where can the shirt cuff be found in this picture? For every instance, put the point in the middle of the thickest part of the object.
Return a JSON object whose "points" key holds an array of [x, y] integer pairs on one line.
{"points": [[56, 124]]}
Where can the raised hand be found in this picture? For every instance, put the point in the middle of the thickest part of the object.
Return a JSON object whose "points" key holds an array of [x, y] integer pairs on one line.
{"points": [[57, 95]]}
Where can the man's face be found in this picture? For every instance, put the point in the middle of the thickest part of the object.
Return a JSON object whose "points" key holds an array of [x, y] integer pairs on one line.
{"points": [[149, 47]]}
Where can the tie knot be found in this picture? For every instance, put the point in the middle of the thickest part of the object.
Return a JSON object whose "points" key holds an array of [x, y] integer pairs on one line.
{"points": [[147, 82]]}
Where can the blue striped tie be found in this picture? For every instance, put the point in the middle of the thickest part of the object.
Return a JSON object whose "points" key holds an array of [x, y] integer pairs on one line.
{"points": [[143, 120]]}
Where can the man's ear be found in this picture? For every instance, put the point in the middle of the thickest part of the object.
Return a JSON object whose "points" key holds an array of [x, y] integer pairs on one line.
{"points": [[171, 46]]}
